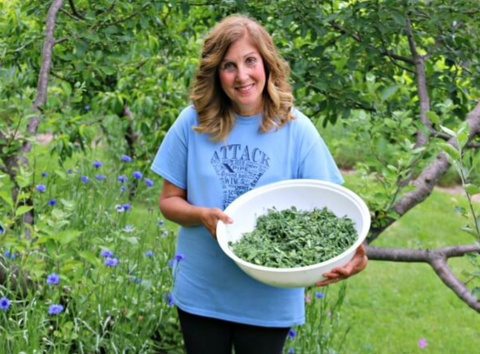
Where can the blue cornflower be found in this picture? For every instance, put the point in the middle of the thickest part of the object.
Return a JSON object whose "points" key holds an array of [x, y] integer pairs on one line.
{"points": [[179, 257], [53, 279], [292, 333], [171, 262], [137, 175], [4, 303], [100, 177], [126, 206], [111, 262], [1, 229], [84, 179], [123, 188], [135, 279], [160, 222], [128, 228], [319, 295], [40, 187], [97, 164], [69, 171], [119, 208], [8, 255], [52, 202], [165, 233], [126, 158], [44, 174], [169, 299], [291, 350], [106, 254], [55, 309], [122, 179], [87, 108], [149, 254], [149, 182]]}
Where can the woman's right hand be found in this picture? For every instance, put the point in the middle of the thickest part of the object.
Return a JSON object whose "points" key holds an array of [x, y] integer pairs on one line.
{"points": [[210, 218]]}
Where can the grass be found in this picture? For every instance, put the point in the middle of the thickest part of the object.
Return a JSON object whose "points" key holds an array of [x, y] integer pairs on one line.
{"points": [[390, 306]]}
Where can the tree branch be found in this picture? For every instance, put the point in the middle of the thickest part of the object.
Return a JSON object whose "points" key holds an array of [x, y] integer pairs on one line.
{"points": [[74, 10], [428, 178], [437, 258]]}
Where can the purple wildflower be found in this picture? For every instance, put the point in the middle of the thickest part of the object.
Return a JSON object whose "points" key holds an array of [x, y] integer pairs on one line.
{"points": [[52, 202], [53, 279], [111, 262], [1, 229], [87, 108], [160, 222], [171, 262], [128, 228], [55, 309], [69, 171], [179, 257], [165, 233], [149, 182], [422, 343], [4, 303], [149, 254], [291, 350], [84, 179], [126, 158], [44, 174], [97, 164], [137, 175], [292, 333], [119, 208], [319, 295], [106, 253], [169, 299], [135, 279], [123, 188], [8, 255], [126, 206], [40, 188], [100, 177], [122, 179]]}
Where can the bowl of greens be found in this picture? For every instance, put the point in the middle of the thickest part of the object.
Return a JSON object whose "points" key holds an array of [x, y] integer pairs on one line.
{"points": [[288, 234]]}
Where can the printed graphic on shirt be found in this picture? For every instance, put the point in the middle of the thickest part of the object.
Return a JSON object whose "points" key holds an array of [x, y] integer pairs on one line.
{"points": [[239, 167]]}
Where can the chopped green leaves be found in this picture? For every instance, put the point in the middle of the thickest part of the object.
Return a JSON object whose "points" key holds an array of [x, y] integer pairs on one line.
{"points": [[293, 238]]}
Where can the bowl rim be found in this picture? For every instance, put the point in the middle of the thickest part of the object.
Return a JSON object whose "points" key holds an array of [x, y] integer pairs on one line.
{"points": [[362, 206]]}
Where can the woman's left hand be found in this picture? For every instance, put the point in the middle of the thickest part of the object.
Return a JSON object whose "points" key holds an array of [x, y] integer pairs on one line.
{"points": [[356, 265]]}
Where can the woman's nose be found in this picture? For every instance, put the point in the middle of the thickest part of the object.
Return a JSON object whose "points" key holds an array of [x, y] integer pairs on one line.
{"points": [[242, 74]]}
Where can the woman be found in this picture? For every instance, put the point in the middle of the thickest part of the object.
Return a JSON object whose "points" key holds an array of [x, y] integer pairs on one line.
{"points": [[241, 132]]}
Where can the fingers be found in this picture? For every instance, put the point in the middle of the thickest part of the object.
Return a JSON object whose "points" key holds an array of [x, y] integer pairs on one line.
{"points": [[211, 218]]}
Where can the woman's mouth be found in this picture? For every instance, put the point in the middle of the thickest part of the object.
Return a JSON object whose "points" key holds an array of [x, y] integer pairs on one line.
{"points": [[244, 90]]}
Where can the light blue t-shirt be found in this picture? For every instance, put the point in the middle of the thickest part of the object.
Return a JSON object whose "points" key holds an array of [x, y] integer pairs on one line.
{"points": [[208, 283]]}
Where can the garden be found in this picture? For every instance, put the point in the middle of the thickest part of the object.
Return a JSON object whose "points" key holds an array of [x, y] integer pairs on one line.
{"points": [[87, 94]]}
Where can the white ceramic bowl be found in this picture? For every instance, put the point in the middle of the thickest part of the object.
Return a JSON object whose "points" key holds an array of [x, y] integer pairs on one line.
{"points": [[305, 194]]}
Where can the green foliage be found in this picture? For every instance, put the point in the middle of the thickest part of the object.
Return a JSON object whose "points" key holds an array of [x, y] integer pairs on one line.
{"points": [[115, 301], [296, 238]]}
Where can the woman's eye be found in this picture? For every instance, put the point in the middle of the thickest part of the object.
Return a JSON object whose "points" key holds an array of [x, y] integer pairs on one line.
{"points": [[228, 66], [251, 61]]}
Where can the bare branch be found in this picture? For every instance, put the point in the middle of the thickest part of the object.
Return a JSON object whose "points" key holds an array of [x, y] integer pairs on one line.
{"points": [[421, 85], [444, 272], [437, 258], [74, 10], [385, 52]]}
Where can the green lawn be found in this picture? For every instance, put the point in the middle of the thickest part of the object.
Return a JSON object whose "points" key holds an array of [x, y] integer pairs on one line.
{"points": [[390, 306]]}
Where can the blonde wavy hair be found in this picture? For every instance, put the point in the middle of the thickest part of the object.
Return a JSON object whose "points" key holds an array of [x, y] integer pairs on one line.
{"points": [[214, 107]]}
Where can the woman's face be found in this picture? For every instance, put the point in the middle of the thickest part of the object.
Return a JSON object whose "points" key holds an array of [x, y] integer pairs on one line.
{"points": [[242, 77]]}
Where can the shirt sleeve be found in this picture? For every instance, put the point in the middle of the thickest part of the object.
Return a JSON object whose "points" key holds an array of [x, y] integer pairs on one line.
{"points": [[316, 162], [171, 159]]}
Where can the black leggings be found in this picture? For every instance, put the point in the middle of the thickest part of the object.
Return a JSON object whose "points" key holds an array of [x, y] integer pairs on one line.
{"points": [[205, 335]]}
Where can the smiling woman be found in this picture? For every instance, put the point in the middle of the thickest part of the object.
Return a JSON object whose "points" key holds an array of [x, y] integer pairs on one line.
{"points": [[240, 133], [242, 77]]}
